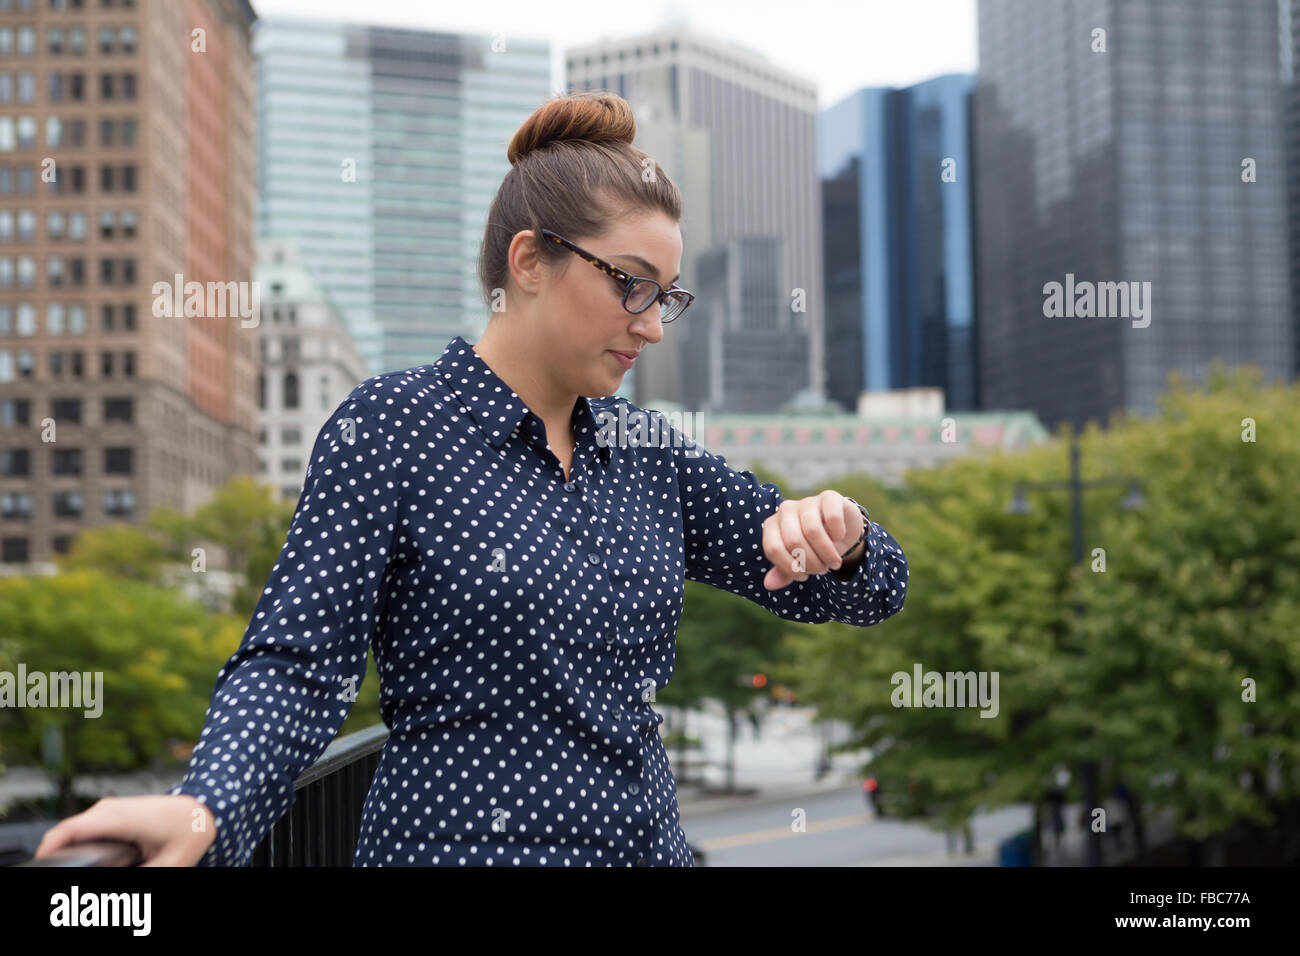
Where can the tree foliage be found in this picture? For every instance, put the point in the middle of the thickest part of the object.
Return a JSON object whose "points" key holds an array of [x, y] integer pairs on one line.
{"points": [[1200, 591]]}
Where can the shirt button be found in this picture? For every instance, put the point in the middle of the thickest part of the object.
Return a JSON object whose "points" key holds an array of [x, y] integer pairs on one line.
{"points": [[593, 557], [641, 861], [570, 486], [634, 788], [609, 639]]}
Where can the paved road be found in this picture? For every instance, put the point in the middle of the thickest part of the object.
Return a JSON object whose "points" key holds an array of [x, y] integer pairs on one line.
{"points": [[838, 831]]}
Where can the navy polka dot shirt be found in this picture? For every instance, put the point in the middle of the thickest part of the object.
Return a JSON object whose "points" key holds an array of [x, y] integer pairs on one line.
{"points": [[520, 624]]}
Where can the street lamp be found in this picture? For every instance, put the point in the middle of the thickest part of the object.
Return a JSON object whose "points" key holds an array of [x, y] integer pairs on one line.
{"points": [[1132, 501]]}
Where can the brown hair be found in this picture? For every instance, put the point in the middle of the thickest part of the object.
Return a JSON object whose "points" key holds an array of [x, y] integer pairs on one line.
{"points": [[574, 170]]}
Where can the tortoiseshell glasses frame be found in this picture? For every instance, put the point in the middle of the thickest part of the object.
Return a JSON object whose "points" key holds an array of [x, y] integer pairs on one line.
{"points": [[639, 292]]}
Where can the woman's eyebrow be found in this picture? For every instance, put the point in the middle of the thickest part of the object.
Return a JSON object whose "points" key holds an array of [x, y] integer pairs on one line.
{"points": [[646, 265]]}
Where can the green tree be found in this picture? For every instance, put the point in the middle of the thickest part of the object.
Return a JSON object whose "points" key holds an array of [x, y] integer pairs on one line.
{"points": [[156, 654], [1198, 594]]}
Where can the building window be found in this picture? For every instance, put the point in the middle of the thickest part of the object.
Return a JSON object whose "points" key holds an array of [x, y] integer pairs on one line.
{"points": [[15, 504], [106, 364], [53, 319], [117, 461], [290, 436], [15, 462], [66, 411], [67, 504], [118, 410], [291, 390], [261, 388], [119, 503], [67, 461], [15, 411], [13, 550]]}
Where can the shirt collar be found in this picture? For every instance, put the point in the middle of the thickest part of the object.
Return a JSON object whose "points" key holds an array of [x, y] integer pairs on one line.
{"points": [[495, 407]]}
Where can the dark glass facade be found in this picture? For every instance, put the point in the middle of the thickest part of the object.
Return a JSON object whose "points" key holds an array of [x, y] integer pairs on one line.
{"points": [[1110, 139], [896, 210]]}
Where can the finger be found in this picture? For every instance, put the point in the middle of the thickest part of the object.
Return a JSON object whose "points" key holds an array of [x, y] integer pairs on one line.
{"points": [[76, 829], [775, 579], [797, 544], [773, 548], [792, 553], [816, 523]]}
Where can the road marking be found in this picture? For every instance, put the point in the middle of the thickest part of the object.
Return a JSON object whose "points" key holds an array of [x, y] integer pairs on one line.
{"points": [[780, 833]]}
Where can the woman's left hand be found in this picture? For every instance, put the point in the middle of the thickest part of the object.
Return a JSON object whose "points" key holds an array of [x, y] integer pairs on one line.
{"points": [[808, 536]]}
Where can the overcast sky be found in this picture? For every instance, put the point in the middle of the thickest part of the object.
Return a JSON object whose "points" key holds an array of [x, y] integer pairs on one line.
{"points": [[841, 45]]}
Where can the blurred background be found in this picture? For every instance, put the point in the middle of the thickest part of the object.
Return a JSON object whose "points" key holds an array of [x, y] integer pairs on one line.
{"points": [[1019, 275]]}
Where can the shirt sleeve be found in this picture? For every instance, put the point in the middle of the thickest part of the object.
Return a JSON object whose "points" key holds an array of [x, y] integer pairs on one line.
{"points": [[723, 511], [282, 696]]}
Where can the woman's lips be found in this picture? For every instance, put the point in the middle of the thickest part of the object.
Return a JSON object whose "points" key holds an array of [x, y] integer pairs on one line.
{"points": [[627, 358]]}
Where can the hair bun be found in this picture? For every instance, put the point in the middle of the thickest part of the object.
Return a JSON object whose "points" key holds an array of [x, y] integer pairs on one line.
{"points": [[590, 117]]}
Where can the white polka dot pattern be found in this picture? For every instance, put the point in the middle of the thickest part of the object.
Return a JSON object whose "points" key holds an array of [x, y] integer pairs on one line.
{"points": [[518, 621]]}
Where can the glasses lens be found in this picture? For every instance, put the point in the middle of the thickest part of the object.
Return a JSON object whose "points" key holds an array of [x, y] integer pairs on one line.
{"points": [[673, 307], [642, 293]]}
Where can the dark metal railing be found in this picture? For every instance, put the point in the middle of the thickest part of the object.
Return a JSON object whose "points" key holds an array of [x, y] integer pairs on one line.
{"points": [[321, 828]]}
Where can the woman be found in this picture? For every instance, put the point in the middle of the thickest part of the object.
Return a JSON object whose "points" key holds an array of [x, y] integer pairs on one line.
{"points": [[518, 574]]}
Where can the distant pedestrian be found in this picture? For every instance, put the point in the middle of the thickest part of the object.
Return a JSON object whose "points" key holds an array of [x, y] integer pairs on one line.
{"points": [[1056, 814]]}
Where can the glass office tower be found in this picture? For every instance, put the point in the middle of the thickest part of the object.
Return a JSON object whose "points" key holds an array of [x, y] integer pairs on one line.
{"points": [[379, 152], [1129, 143]]}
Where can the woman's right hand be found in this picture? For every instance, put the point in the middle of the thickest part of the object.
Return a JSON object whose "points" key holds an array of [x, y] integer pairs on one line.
{"points": [[167, 828]]}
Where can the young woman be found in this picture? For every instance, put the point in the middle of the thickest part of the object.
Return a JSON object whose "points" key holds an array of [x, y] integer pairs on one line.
{"points": [[517, 573]]}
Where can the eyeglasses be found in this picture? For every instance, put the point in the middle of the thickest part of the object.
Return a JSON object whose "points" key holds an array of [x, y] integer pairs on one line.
{"points": [[639, 292]]}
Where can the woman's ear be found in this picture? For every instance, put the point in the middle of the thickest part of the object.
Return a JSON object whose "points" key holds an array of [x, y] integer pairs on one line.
{"points": [[527, 267]]}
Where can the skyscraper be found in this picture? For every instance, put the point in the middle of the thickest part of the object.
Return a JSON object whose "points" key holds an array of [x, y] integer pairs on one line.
{"points": [[1130, 199], [125, 161], [379, 152], [897, 200], [737, 134]]}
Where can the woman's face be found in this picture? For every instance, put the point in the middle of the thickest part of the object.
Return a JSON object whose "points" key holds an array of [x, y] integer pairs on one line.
{"points": [[581, 307]]}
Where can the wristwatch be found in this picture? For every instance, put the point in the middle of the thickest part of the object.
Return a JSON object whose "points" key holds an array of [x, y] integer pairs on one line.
{"points": [[866, 528]]}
